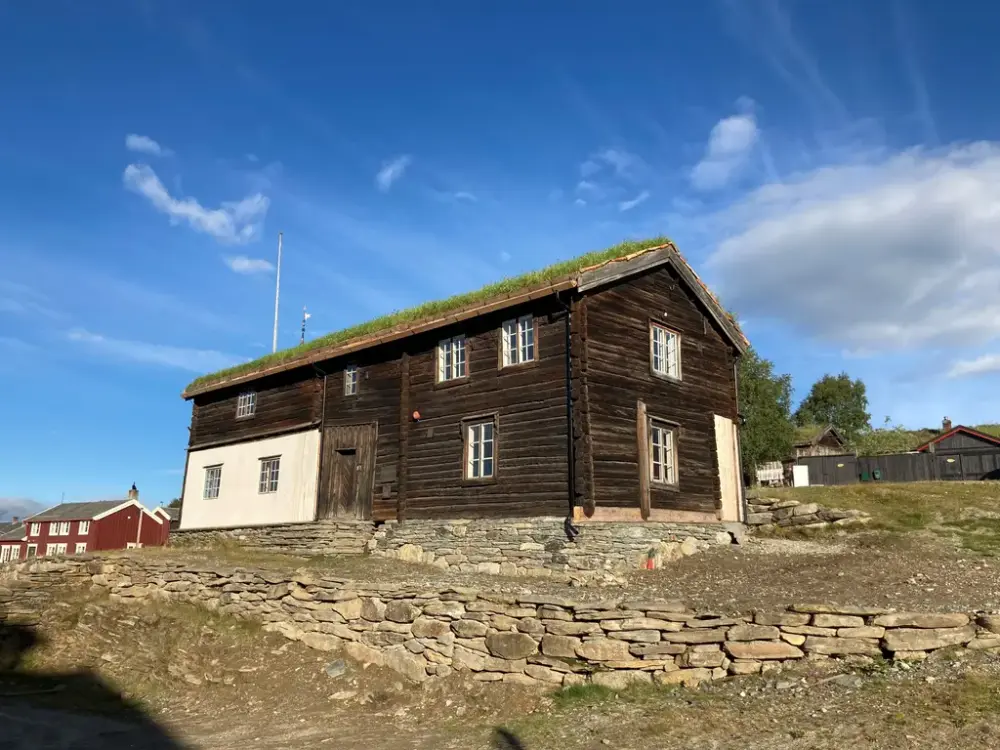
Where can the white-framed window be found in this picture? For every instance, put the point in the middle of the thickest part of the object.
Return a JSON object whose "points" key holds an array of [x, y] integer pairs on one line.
{"points": [[246, 405], [32, 550], [518, 341], [81, 547], [662, 453], [35, 529], [451, 359], [269, 474], [7, 553], [84, 527], [480, 449], [58, 528], [213, 480], [55, 549], [351, 380], [665, 351]]}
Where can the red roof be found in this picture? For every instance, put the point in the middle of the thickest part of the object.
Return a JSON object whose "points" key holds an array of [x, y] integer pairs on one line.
{"points": [[963, 429]]}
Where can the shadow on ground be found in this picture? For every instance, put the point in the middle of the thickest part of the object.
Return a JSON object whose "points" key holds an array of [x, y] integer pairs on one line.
{"points": [[73, 711]]}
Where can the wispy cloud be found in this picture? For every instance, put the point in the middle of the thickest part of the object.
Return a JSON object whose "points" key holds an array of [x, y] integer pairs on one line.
{"points": [[391, 171], [904, 38], [987, 364], [245, 265], [622, 163], [629, 205], [233, 223], [18, 299], [194, 360], [458, 196], [729, 145], [143, 144]]}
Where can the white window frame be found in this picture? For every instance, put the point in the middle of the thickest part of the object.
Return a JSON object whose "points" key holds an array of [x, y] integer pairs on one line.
{"points": [[662, 453], [35, 529], [55, 549], [517, 341], [31, 547], [270, 471], [451, 359], [81, 548], [83, 527], [6, 553], [664, 351], [246, 405], [210, 490], [351, 380], [59, 528], [480, 446]]}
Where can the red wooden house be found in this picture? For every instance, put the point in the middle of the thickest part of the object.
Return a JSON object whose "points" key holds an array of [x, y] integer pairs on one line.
{"points": [[76, 528]]}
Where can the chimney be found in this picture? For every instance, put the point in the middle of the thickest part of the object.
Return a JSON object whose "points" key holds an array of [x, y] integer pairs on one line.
{"points": [[133, 494], [946, 425], [14, 519]]}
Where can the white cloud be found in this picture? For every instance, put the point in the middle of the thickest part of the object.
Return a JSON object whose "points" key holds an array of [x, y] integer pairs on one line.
{"points": [[233, 223], [505, 256], [589, 168], [195, 360], [243, 264], [621, 162], [145, 145], [629, 205], [580, 202], [988, 363], [897, 252], [391, 171], [729, 145], [462, 195]]}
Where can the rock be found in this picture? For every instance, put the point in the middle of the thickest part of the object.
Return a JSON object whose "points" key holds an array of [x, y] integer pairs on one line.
{"points": [[414, 668], [603, 649], [362, 653], [695, 636], [469, 628], [464, 658], [919, 620], [372, 610], [409, 553], [496, 664], [709, 659], [868, 631], [656, 649], [620, 679], [838, 621], [759, 519], [989, 622], [841, 646], [984, 642], [686, 677], [927, 639], [504, 623], [744, 667], [490, 568], [558, 627], [907, 656], [689, 546], [836, 609], [297, 592], [806, 509], [511, 645], [650, 623], [399, 611], [785, 504], [560, 645], [453, 610], [426, 627], [781, 618], [759, 650], [335, 668], [531, 626], [321, 641], [487, 677], [795, 640], [520, 679], [637, 636], [543, 674], [753, 633], [810, 630]]}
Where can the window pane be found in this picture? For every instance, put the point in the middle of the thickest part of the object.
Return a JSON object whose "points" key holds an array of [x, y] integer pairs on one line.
{"points": [[488, 467]]}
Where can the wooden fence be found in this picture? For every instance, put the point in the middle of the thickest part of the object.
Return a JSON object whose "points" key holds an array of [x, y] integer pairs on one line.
{"points": [[901, 467]]}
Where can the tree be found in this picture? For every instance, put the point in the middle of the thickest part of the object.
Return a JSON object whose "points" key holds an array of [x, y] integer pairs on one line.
{"points": [[175, 503], [766, 406], [888, 438], [839, 401]]}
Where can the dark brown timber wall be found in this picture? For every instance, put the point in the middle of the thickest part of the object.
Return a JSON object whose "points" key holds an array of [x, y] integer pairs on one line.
{"points": [[619, 374]]}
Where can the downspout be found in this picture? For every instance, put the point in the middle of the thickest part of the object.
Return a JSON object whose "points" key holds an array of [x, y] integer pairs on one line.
{"points": [[571, 531]]}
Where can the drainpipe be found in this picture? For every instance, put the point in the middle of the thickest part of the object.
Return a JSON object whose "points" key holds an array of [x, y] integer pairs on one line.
{"points": [[571, 531]]}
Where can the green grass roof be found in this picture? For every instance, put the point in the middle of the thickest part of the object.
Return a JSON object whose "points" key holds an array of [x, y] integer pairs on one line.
{"points": [[432, 309]]}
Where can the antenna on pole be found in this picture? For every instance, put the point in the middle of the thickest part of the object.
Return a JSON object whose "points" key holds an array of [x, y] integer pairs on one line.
{"points": [[277, 293], [305, 317]]}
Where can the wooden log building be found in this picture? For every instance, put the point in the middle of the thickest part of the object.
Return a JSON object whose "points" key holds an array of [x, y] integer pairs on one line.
{"points": [[608, 391]]}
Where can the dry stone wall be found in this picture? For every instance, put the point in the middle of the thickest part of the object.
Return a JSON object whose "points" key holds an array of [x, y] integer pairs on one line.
{"points": [[526, 638], [318, 538], [539, 546], [770, 513]]}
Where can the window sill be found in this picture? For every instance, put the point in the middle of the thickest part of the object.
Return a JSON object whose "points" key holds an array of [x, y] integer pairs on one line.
{"points": [[654, 485], [518, 366], [667, 378], [245, 417], [464, 380], [479, 482]]}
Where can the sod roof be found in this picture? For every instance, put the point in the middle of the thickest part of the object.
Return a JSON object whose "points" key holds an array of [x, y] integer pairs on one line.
{"points": [[530, 285]]}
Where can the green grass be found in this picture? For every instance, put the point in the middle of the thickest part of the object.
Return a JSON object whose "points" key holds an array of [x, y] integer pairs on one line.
{"points": [[434, 308]]}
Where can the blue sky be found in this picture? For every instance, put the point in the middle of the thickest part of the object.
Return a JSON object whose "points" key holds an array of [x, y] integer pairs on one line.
{"points": [[831, 168]]}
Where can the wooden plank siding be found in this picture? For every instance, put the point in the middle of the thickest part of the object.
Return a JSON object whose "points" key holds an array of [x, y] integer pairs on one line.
{"points": [[529, 402], [619, 374]]}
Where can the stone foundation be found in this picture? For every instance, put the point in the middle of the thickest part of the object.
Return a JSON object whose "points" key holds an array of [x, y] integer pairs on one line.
{"points": [[770, 513], [539, 546], [318, 538], [523, 638]]}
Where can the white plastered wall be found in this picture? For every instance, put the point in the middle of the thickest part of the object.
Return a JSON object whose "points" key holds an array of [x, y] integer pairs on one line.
{"points": [[239, 503]]}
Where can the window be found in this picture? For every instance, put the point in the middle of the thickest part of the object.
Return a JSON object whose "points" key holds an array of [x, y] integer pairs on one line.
{"points": [[7, 553], [518, 341], [55, 549], [35, 530], [665, 351], [213, 479], [32, 550], [451, 359], [351, 380], [269, 475], [81, 547], [59, 528], [84, 527], [246, 406], [662, 453], [480, 450]]}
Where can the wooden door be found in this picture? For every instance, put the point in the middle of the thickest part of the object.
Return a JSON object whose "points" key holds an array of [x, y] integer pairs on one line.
{"points": [[729, 473], [347, 472]]}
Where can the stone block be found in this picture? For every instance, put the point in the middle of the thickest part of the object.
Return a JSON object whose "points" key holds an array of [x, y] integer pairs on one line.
{"points": [[810, 630], [652, 650], [695, 636], [426, 627], [837, 609], [922, 620], [401, 612], [806, 509], [762, 650], [497, 664], [686, 677], [560, 645], [604, 649], [708, 659], [511, 645], [321, 641], [868, 631], [543, 674], [452, 610], [990, 623], [650, 623], [531, 626], [795, 640], [464, 658], [838, 621], [637, 636], [841, 646], [621, 679], [983, 643], [926, 639], [558, 627], [781, 619], [744, 667], [469, 628], [753, 633]]}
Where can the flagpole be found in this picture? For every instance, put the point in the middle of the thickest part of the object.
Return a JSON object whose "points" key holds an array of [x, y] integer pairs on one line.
{"points": [[277, 292], [305, 317]]}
